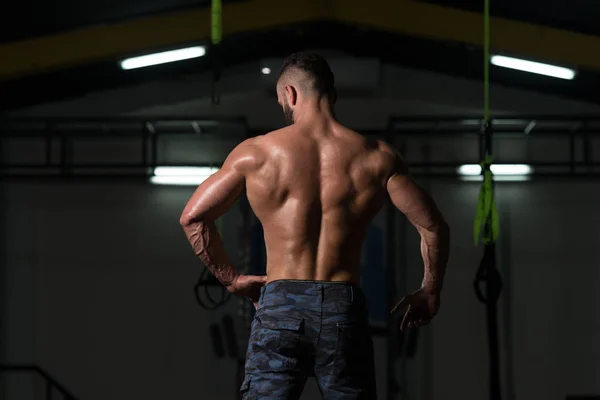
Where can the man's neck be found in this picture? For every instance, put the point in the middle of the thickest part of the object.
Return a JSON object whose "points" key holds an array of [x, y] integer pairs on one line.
{"points": [[315, 111]]}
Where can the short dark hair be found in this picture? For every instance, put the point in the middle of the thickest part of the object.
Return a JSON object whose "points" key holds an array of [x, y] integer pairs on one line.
{"points": [[317, 67]]}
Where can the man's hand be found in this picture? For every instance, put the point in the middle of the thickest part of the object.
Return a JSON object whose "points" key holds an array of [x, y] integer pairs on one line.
{"points": [[248, 286], [421, 306]]}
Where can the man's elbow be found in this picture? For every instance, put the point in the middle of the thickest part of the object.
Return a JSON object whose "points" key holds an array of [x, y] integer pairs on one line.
{"points": [[186, 220], [438, 231]]}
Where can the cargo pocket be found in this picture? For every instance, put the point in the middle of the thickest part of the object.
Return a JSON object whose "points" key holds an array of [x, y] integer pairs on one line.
{"points": [[282, 335]]}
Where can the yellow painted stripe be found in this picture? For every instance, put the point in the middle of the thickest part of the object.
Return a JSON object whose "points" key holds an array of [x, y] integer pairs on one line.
{"points": [[443, 23], [410, 17]]}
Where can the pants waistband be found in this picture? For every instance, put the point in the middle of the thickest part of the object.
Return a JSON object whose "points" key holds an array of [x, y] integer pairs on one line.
{"points": [[308, 287]]}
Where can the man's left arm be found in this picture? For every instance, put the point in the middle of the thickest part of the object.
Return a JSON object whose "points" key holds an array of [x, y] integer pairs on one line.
{"points": [[211, 200]]}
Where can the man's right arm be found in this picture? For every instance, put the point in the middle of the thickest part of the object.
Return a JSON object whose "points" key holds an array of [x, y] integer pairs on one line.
{"points": [[422, 212]]}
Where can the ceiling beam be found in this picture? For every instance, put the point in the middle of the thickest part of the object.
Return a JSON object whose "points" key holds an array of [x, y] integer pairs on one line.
{"points": [[411, 17]]}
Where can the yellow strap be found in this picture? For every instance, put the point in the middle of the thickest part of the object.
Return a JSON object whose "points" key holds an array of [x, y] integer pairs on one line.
{"points": [[486, 60], [216, 32], [487, 221]]}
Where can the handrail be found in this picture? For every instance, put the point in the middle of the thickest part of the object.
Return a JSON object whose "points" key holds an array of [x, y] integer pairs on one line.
{"points": [[60, 138], [124, 118], [522, 116], [50, 380]]}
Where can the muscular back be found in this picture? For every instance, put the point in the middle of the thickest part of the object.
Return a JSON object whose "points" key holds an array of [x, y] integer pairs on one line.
{"points": [[315, 189]]}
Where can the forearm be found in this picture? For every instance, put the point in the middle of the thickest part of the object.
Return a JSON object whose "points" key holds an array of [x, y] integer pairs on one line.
{"points": [[435, 249], [207, 245]]}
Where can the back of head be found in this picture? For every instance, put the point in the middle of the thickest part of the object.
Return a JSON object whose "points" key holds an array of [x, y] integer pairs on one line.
{"points": [[311, 73]]}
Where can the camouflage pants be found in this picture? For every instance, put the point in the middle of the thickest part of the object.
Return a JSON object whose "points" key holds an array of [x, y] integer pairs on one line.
{"points": [[308, 328]]}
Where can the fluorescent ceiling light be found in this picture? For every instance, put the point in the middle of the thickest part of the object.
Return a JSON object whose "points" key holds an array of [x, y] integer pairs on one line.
{"points": [[533, 67], [498, 178], [499, 170], [184, 171], [181, 175], [266, 70], [163, 57]]}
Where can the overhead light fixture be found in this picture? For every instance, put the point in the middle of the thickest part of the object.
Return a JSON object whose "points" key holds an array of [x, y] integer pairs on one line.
{"points": [[183, 176], [266, 70], [497, 169], [502, 172], [163, 57], [498, 178], [533, 67]]}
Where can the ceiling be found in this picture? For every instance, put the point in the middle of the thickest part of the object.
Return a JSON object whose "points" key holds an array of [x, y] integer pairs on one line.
{"points": [[459, 60], [574, 15], [62, 15], [56, 16]]}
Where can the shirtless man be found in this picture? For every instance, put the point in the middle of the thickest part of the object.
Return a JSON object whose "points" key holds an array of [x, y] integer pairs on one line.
{"points": [[315, 186]]}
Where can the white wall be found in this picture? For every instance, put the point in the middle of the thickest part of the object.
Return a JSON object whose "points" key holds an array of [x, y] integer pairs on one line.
{"points": [[104, 301], [114, 313], [102, 297], [551, 252]]}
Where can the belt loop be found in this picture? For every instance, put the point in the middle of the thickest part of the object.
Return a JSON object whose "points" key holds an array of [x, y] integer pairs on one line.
{"points": [[352, 294]]}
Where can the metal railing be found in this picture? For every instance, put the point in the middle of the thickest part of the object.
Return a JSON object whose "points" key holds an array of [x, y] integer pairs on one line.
{"points": [[51, 384], [57, 143], [575, 134]]}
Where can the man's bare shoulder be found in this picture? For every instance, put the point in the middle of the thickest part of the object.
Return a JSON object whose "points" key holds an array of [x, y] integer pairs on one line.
{"points": [[247, 156], [252, 153], [391, 161]]}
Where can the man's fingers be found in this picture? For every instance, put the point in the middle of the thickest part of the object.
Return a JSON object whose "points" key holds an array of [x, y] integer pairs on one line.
{"points": [[401, 304], [259, 279], [406, 320]]}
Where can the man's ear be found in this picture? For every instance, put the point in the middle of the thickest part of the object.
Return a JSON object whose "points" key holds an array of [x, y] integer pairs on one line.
{"points": [[292, 95]]}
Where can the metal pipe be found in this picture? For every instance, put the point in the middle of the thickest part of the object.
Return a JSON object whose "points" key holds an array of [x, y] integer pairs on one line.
{"points": [[403, 288], [114, 133], [153, 149], [505, 267], [572, 155], [19, 127], [123, 119], [243, 120], [392, 339], [103, 166], [143, 177], [48, 144], [508, 117], [426, 336], [145, 145], [3, 273], [425, 165], [587, 150]]}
